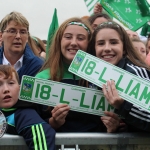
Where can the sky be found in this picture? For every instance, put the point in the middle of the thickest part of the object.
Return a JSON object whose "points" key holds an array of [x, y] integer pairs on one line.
{"points": [[39, 12]]}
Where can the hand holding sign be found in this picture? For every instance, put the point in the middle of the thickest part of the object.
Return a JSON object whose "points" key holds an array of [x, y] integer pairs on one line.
{"points": [[111, 121], [52, 93], [111, 94], [77, 98], [59, 114], [130, 87]]}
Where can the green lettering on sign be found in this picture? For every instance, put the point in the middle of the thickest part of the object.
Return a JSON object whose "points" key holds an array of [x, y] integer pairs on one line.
{"points": [[90, 67], [82, 101], [118, 82], [145, 95], [37, 90], [45, 92], [135, 90], [101, 104], [62, 97], [84, 65], [93, 102], [101, 76], [128, 87]]}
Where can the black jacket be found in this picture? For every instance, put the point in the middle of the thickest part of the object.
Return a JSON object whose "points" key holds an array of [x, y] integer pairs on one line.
{"points": [[137, 118]]}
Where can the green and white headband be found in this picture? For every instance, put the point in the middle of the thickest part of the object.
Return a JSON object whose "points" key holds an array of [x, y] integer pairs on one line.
{"points": [[109, 22], [80, 24]]}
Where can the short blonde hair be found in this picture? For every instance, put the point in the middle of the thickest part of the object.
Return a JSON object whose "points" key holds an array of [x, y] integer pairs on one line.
{"points": [[14, 16]]}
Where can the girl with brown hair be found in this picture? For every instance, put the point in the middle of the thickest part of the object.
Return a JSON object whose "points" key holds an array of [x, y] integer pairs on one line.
{"points": [[72, 35]]}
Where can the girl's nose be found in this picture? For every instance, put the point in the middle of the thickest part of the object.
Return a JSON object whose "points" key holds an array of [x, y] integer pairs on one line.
{"points": [[107, 47], [74, 41]]}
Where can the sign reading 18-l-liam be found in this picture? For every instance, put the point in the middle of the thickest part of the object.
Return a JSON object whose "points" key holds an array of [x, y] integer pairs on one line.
{"points": [[130, 87], [52, 93]]}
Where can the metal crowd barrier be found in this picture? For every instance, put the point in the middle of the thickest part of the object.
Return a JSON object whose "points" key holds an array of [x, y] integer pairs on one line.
{"points": [[86, 141]]}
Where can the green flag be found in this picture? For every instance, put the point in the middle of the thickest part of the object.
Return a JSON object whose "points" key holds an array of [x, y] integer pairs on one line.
{"points": [[146, 29], [52, 29], [131, 13]]}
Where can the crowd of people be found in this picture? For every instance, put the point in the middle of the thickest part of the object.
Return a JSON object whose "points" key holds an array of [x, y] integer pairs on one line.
{"points": [[23, 54]]}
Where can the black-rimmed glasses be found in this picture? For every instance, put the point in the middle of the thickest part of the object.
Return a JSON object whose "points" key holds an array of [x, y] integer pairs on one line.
{"points": [[14, 32]]}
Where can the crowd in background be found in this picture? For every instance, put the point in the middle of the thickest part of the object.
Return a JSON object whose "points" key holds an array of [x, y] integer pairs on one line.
{"points": [[24, 54]]}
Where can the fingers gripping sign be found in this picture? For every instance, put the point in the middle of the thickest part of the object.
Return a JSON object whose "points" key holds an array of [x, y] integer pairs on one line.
{"points": [[111, 121], [111, 94], [59, 114]]}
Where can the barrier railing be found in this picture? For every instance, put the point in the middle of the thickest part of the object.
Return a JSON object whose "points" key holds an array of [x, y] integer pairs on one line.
{"points": [[86, 141]]}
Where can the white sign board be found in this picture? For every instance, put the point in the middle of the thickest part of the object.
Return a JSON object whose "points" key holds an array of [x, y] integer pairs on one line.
{"points": [[51, 93], [130, 87]]}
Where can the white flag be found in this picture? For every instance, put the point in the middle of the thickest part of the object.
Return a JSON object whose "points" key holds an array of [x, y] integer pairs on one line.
{"points": [[90, 5]]}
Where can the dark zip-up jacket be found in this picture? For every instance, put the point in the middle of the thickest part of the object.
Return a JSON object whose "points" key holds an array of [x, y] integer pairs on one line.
{"points": [[26, 122], [137, 118], [31, 63]]}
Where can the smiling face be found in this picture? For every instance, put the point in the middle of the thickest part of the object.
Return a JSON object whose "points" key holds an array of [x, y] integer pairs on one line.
{"points": [[74, 38], [108, 46], [9, 91], [14, 44], [141, 48]]}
